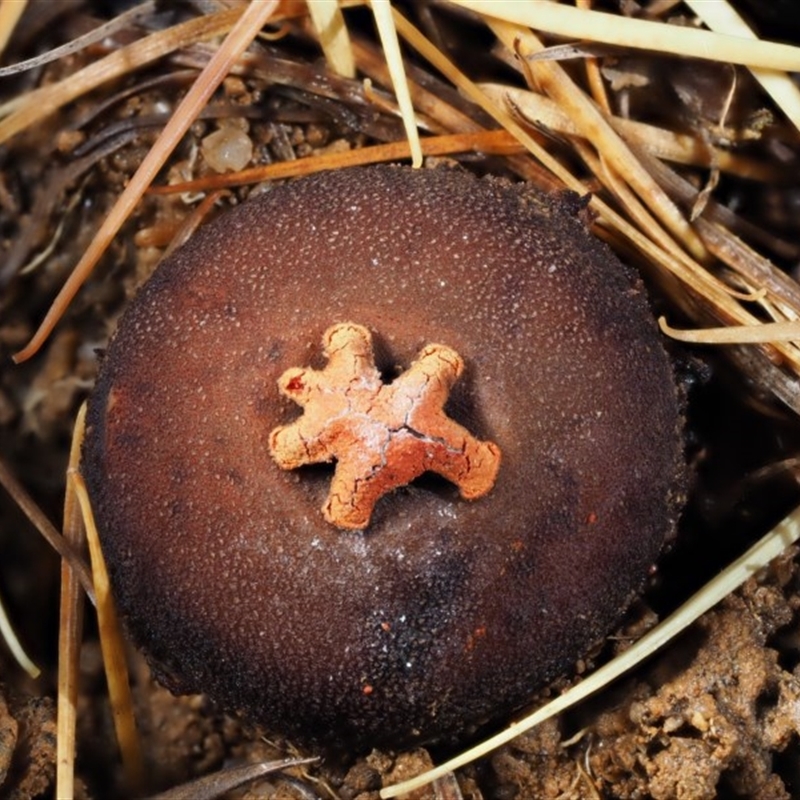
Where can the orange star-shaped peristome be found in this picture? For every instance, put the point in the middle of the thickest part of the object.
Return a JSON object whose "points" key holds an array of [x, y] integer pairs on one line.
{"points": [[381, 435]]}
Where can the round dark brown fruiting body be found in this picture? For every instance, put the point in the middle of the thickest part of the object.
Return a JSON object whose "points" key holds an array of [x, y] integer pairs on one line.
{"points": [[443, 613]]}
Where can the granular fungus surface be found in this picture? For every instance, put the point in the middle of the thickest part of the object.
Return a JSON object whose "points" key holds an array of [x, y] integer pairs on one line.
{"points": [[441, 613]]}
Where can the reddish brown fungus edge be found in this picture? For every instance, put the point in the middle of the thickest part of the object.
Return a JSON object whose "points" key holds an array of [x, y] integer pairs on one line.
{"points": [[228, 574]]}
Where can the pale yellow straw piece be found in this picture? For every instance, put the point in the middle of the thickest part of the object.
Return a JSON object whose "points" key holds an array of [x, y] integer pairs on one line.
{"points": [[762, 333], [70, 629], [112, 646], [328, 22], [10, 13], [600, 26], [15, 646], [382, 11]]}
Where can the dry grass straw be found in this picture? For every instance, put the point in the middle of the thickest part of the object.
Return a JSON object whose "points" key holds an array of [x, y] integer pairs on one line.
{"points": [[70, 629], [382, 11], [13, 643], [112, 645], [680, 148], [10, 13], [643, 207], [97, 34], [32, 107], [597, 26], [39, 520], [334, 39], [662, 233], [610, 148], [619, 168]]}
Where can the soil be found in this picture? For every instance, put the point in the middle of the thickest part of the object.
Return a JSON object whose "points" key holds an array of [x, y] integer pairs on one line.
{"points": [[716, 714]]}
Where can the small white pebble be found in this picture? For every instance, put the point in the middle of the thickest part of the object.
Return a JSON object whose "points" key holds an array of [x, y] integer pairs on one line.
{"points": [[228, 149]]}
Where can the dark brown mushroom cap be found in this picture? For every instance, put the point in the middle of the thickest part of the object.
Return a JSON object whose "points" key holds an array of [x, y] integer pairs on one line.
{"points": [[445, 612]]}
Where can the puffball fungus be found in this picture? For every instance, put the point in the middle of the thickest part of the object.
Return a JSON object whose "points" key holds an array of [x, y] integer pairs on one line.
{"points": [[427, 321]]}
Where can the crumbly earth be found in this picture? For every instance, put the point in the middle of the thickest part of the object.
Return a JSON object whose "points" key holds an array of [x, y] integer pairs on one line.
{"points": [[716, 715], [27, 745]]}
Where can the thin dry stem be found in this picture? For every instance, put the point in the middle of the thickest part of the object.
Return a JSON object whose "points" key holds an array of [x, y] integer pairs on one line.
{"points": [[40, 521], [450, 119], [10, 13], [76, 45], [599, 26], [594, 77], [112, 645], [382, 11], [14, 645], [32, 107], [328, 21], [497, 142], [681, 148], [243, 32], [70, 630]]}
